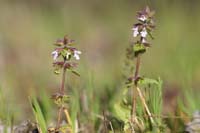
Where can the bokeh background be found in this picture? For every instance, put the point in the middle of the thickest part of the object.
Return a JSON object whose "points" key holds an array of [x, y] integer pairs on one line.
{"points": [[102, 30]]}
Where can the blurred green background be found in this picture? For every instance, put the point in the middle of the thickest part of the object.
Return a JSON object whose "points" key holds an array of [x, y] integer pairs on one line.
{"points": [[102, 30]]}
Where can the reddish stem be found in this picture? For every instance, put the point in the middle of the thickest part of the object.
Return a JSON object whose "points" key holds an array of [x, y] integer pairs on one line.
{"points": [[62, 91], [134, 91], [62, 88], [137, 68]]}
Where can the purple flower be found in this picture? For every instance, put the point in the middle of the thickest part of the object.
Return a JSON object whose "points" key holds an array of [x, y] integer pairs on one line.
{"points": [[144, 40], [55, 54], [142, 18], [144, 32], [135, 31], [76, 54]]}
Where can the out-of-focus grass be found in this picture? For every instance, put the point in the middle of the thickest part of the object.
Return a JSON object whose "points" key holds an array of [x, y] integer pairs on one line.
{"points": [[102, 29], [191, 102], [6, 114], [39, 115]]}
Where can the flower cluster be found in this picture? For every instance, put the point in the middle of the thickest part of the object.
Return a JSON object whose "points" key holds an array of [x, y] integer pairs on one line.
{"points": [[142, 30], [64, 53]]}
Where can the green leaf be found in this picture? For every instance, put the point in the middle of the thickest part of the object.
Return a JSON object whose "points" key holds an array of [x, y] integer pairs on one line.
{"points": [[57, 71], [58, 101], [65, 98], [122, 112], [139, 48], [149, 33], [38, 114], [74, 72], [148, 81], [65, 129], [64, 54]]}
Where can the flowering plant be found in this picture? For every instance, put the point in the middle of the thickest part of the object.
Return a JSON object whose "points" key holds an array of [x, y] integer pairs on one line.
{"points": [[142, 30], [132, 113], [65, 50], [63, 56]]}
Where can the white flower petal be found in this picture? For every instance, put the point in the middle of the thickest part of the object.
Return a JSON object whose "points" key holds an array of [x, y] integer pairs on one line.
{"points": [[54, 54], [144, 40], [68, 54], [135, 31], [76, 54], [143, 32], [77, 57], [142, 18]]}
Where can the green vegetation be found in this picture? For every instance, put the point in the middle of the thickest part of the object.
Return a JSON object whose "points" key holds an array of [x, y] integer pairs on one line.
{"points": [[99, 99]]}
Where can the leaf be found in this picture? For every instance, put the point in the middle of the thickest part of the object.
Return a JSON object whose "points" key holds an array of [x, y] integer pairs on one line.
{"points": [[65, 98], [125, 90], [58, 101], [59, 42], [148, 81], [65, 129], [139, 49], [38, 114], [122, 113], [57, 71], [74, 72], [66, 54], [149, 33]]}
